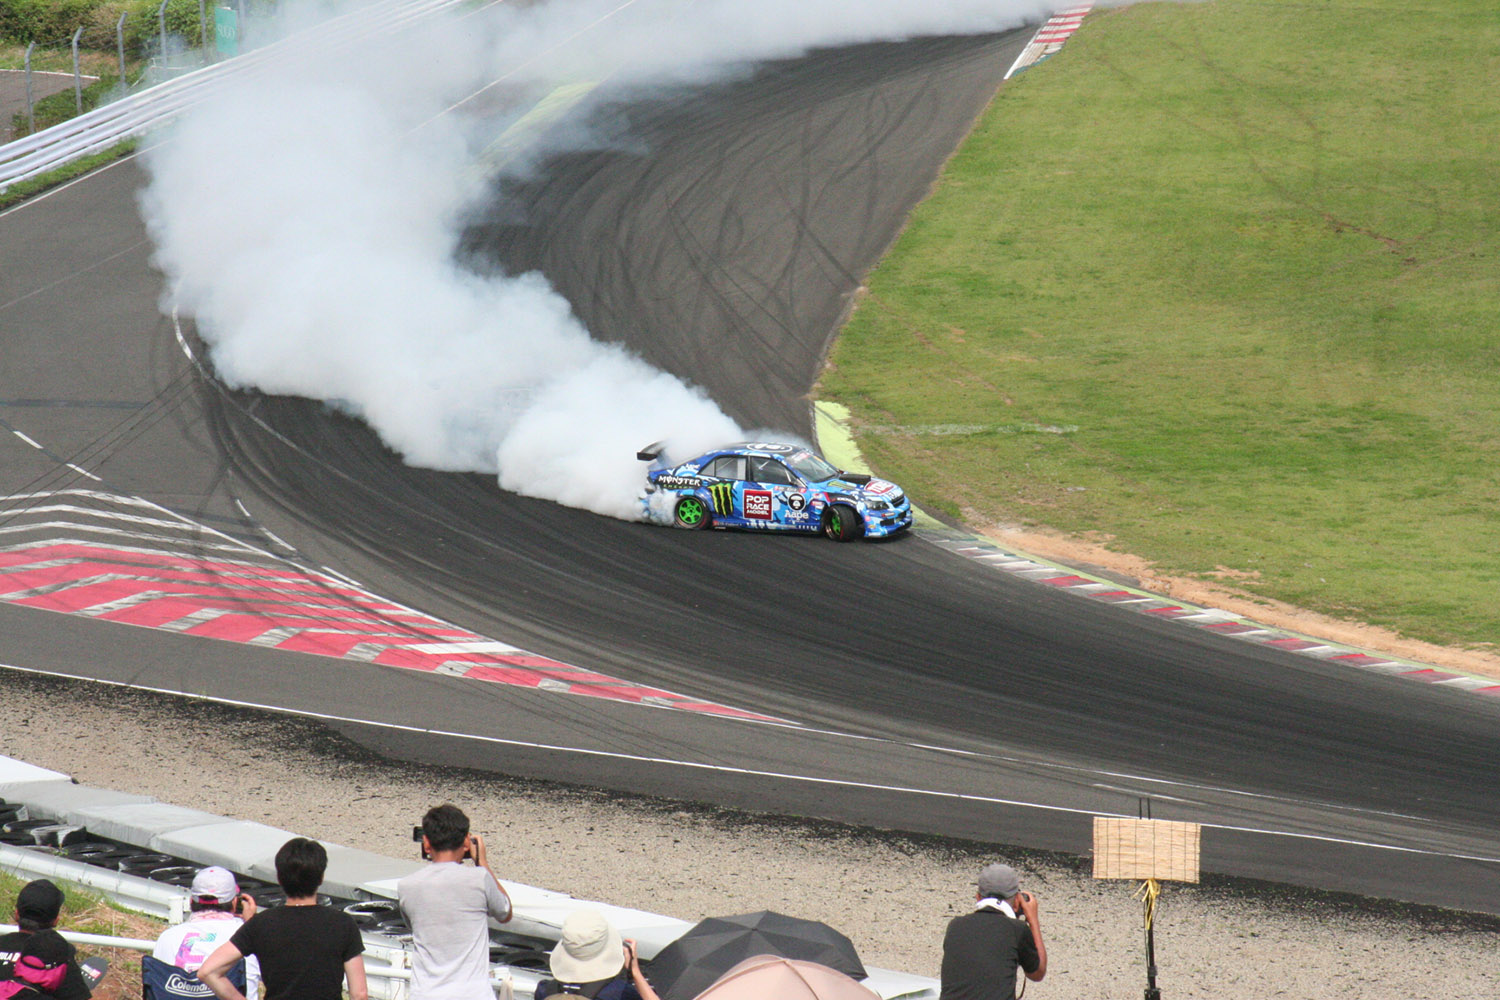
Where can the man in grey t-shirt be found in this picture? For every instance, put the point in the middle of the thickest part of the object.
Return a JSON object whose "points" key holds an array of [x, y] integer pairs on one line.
{"points": [[448, 905]]}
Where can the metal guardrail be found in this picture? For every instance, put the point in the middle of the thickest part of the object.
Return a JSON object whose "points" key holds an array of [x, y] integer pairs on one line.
{"points": [[386, 961], [395, 976], [156, 899], [97, 940], [99, 129]]}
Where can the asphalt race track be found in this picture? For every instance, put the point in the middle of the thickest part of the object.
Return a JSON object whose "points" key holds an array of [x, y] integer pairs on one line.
{"points": [[927, 693]]}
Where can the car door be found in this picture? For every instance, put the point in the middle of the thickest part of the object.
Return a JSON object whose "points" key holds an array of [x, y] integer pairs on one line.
{"points": [[777, 497], [727, 473]]}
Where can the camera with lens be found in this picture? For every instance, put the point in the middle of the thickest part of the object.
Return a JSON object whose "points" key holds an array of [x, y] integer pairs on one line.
{"points": [[469, 844]]}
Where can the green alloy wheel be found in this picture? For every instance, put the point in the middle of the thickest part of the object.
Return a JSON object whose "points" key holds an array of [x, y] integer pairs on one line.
{"points": [[691, 512]]}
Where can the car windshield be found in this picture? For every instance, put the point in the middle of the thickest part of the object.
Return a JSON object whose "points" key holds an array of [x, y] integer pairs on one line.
{"points": [[811, 467]]}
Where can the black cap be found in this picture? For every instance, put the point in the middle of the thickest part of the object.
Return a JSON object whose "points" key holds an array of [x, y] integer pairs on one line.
{"points": [[40, 901]]}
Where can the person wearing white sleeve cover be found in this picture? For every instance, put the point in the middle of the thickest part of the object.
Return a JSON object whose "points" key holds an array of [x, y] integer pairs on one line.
{"points": [[449, 906]]}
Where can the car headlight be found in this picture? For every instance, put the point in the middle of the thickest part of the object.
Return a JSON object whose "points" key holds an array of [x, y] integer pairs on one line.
{"points": [[877, 505]]}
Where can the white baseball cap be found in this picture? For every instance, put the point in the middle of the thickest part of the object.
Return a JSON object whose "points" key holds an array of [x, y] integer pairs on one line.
{"points": [[214, 885]]}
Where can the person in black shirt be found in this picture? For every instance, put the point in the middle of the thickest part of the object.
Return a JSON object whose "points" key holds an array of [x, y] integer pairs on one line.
{"points": [[38, 906], [306, 951], [983, 949], [39, 968]]}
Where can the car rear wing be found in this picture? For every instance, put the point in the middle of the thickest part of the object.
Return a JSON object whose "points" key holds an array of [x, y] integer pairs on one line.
{"points": [[651, 452]]}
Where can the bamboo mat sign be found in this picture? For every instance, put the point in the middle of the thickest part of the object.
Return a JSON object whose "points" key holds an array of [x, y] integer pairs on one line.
{"points": [[1145, 849]]}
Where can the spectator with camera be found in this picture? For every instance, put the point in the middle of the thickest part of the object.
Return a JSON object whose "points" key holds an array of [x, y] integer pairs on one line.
{"points": [[218, 910], [592, 962], [983, 949], [306, 951], [449, 905]]}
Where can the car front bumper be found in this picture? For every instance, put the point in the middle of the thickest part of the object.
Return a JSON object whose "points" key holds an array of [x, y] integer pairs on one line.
{"points": [[880, 524]]}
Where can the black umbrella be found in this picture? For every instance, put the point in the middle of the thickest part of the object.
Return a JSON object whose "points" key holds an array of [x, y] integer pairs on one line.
{"points": [[689, 965]]}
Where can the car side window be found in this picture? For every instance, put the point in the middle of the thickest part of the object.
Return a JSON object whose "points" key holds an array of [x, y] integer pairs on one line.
{"points": [[726, 467], [771, 471]]}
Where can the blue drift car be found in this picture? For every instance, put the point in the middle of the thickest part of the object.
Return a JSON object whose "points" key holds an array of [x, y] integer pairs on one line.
{"points": [[771, 487]]}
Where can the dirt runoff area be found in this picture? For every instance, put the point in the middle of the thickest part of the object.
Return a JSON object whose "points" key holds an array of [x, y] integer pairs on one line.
{"points": [[892, 894]]}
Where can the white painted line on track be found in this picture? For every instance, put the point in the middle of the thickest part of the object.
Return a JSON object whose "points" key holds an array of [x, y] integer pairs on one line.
{"points": [[120, 498], [28, 440], [1467, 683], [1036, 763], [1155, 798], [730, 769], [144, 551], [275, 538], [33, 526], [105, 515], [355, 583], [69, 277], [456, 648], [182, 340], [1210, 615], [243, 546], [77, 180]]}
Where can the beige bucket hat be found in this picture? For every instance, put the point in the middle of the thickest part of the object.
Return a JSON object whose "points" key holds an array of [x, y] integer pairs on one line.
{"points": [[589, 950]]}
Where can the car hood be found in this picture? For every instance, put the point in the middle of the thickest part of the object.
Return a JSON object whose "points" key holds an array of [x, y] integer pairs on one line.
{"points": [[875, 489]]}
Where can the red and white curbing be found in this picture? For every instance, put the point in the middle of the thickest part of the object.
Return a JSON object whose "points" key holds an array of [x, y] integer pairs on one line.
{"points": [[1050, 37], [1207, 619], [125, 559]]}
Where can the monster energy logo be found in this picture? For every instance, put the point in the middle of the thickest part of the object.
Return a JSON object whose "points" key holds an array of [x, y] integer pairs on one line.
{"points": [[723, 497]]}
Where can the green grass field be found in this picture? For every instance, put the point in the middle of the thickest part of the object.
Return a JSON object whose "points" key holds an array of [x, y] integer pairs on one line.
{"points": [[1220, 282]]}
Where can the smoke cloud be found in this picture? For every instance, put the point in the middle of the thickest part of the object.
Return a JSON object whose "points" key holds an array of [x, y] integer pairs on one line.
{"points": [[308, 217]]}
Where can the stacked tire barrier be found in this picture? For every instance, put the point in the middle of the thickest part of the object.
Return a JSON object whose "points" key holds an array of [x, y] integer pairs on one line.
{"points": [[143, 853]]}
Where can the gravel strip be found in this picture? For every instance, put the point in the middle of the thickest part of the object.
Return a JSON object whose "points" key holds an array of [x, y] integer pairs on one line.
{"points": [[892, 894]]}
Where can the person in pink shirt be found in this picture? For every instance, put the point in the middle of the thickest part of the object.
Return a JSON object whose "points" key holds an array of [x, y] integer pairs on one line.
{"points": [[219, 909]]}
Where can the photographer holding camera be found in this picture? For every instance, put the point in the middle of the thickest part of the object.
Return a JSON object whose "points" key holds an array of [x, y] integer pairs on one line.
{"points": [[218, 910], [983, 949], [448, 905]]}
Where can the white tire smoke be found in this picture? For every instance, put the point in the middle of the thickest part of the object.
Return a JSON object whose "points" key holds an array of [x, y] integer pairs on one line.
{"points": [[308, 215]]}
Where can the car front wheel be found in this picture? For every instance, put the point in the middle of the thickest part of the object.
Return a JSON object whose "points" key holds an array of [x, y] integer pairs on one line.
{"points": [[842, 523]]}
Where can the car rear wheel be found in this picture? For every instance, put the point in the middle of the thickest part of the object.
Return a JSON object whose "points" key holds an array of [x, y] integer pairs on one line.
{"points": [[842, 523], [691, 513]]}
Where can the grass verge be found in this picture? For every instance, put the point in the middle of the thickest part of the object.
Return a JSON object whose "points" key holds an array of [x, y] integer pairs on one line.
{"points": [[1217, 284], [50, 59], [25, 189], [57, 108], [90, 914]]}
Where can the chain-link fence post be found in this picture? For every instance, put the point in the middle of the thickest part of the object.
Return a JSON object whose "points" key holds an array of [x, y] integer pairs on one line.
{"points": [[77, 77], [203, 31], [30, 106], [161, 20], [120, 48]]}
